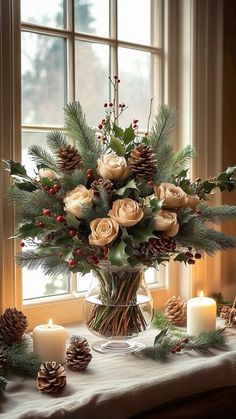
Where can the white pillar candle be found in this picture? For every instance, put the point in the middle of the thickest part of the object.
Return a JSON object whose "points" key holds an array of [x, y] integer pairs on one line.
{"points": [[201, 315], [49, 341]]}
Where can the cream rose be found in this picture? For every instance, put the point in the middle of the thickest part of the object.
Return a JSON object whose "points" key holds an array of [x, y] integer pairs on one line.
{"points": [[173, 196], [113, 167], [126, 211], [48, 173], [76, 199], [193, 201], [103, 231], [167, 222]]}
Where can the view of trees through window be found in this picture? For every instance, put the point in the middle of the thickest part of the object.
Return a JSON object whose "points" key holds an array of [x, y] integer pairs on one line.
{"points": [[65, 60]]}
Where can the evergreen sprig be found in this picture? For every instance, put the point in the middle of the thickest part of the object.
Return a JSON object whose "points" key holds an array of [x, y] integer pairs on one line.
{"points": [[102, 202], [21, 359], [182, 158], [42, 157], [56, 140], [3, 383], [84, 137], [50, 264], [217, 214], [163, 126]]}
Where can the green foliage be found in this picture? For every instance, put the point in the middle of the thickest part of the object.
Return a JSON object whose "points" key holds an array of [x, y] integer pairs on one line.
{"points": [[15, 168], [42, 158], [32, 202], [56, 140], [69, 182], [161, 322], [182, 158], [75, 123], [102, 202], [116, 145], [130, 185], [20, 359], [217, 214], [3, 383], [50, 264], [117, 254]]}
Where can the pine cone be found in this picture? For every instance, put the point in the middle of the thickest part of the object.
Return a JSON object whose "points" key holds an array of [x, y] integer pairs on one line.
{"points": [[78, 354], [13, 324], [157, 246], [175, 311], [51, 377], [69, 159], [225, 312], [107, 185], [142, 161], [2, 358]]}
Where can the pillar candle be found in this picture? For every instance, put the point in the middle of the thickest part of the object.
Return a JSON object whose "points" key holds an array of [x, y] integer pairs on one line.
{"points": [[49, 342], [201, 315]]}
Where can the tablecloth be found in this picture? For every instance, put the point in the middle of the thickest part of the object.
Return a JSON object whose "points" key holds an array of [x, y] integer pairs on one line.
{"points": [[117, 387]]}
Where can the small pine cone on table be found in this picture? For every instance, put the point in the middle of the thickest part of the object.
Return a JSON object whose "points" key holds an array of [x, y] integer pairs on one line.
{"points": [[106, 184], [69, 159], [78, 354], [51, 377], [176, 311], [13, 324], [142, 161], [225, 312]]}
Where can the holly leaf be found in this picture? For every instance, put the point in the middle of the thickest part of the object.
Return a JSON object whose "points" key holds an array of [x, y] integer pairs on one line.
{"points": [[118, 131], [156, 204], [117, 255], [27, 230], [160, 336], [16, 168], [130, 185], [72, 221], [142, 233], [129, 135], [25, 186], [46, 182], [181, 257], [117, 146], [227, 174]]}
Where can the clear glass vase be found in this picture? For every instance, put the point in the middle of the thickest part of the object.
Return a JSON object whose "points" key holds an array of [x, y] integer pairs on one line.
{"points": [[118, 307]]}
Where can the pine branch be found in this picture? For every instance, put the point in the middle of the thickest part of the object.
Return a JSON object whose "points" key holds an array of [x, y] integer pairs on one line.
{"points": [[217, 214], [182, 158], [50, 264], [56, 140], [164, 163], [198, 235], [75, 123], [3, 383], [102, 203], [164, 124], [31, 202], [42, 157], [69, 182], [21, 360]]}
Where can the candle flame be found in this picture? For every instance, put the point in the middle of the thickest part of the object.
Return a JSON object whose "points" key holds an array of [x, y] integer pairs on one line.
{"points": [[49, 323], [201, 294]]}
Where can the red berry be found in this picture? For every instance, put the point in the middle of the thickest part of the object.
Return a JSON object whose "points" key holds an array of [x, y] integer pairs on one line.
{"points": [[46, 212], [198, 255], [72, 233], [191, 261], [120, 106], [146, 134], [51, 191], [118, 81], [105, 105], [56, 187], [135, 126], [103, 120], [115, 77], [94, 259], [198, 212], [173, 351], [41, 225], [89, 171], [22, 244], [60, 218], [110, 104], [135, 121], [190, 255], [72, 262], [78, 252], [90, 176], [178, 348], [46, 188], [100, 126]]}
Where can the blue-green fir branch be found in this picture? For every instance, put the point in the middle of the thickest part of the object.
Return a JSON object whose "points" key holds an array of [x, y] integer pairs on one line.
{"points": [[217, 214], [50, 264], [20, 358], [56, 140], [42, 157]]}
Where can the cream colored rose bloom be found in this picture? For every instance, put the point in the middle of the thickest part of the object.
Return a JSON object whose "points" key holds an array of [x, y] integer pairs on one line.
{"points": [[173, 196], [113, 167], [193, 201], [126, 212], [167, 222], [103, 231], [50, 174], [76, 199]]}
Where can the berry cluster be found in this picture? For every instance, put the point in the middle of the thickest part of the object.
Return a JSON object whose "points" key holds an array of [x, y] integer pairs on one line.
{"points": [[53, 190], [181, 345], [192, 256]]}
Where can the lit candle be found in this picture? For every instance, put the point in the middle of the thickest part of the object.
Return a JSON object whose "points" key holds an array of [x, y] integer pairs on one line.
{"points": [[49, 342], [201, 315]]}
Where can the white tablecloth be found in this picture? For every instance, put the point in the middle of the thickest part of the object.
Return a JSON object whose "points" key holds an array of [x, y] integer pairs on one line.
{"points": [[117, 387]]}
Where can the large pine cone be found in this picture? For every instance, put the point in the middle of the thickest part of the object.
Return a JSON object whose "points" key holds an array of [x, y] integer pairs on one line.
{"points": [[69, 159], [176, 311], [228, 313], [157, 246], [142, 161], [107, 185], [13, 324], [78, 354], [51, 377]]}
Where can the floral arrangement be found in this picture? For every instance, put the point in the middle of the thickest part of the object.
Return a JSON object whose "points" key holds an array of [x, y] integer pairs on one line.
{"points": [[115, 196]]}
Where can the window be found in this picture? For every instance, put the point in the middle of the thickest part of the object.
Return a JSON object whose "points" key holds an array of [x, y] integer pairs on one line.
{"points": [[69, 49]]}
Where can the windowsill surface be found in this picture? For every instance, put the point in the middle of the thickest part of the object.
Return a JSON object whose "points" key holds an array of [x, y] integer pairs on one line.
{"points": [[117, 387]]}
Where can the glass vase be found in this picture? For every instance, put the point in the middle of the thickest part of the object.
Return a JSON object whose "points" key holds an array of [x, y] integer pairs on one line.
{"points": [[118, 307]]}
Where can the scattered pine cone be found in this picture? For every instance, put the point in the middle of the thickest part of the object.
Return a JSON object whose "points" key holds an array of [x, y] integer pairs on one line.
{"points": [[107, 185], [69, 159], [176, 311], [51, 377], [78, 354], [13, 324], [228, 313], [3, 360], [142, 161]]}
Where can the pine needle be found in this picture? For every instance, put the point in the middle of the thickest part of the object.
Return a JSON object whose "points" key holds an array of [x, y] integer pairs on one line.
{"points": [[50, 264], [56, 140], [42, 157], [217, 214], [21, 359], [182, 158], [163, 126]]}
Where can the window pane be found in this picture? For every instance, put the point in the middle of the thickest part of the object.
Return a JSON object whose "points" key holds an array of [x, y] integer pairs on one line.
{"points": [[43, 12], [83, 282], [43, 79], [134, 21], [31, 138], [92, 83], [92, 16], [135, 86], [36, 284]]}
